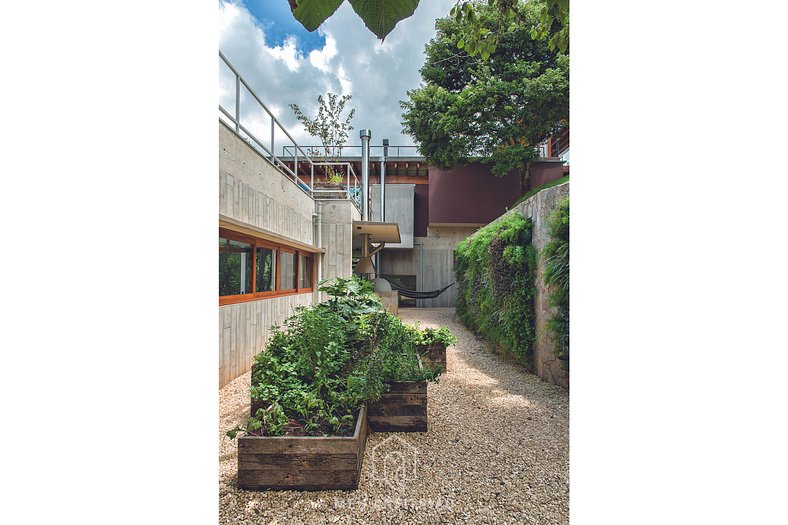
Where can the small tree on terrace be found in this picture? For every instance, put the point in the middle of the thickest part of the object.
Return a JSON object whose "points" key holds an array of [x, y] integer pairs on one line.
{"points": [[328, 125]]}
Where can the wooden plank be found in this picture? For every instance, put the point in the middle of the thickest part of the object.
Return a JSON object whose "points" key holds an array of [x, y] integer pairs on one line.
{"points": [[415, 387], [400, 424], [306, 463]]}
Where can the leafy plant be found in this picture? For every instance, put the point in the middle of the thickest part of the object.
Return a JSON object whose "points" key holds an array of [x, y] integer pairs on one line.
{"points": [[496, 270], [431, 336], [329, 359], [556, 274], [380, 16]]}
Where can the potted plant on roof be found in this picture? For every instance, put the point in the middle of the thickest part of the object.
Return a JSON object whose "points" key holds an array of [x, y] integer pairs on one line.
{"points": [[431, 345], [403, 405], [310, 387]]}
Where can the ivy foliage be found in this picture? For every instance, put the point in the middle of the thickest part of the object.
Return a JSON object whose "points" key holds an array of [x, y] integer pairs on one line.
{"points": [[496, 270], [498, 109], [329, 359], [556, 274]]}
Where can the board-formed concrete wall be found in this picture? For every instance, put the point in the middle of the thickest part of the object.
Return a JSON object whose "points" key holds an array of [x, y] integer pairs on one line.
{"points": [[254, 192], [538, 208], [438, 249], [337, 219]]}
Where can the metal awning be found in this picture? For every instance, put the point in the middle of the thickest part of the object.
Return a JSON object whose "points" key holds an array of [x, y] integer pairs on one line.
{"points": [[387, 232]]}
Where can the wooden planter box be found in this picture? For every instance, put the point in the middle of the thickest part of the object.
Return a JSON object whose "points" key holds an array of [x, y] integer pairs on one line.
{"points": [[302, 463], [402, 409], [432, 355]]}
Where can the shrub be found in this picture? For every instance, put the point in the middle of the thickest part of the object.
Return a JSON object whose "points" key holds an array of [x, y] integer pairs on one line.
{"points": [[495, 276]]}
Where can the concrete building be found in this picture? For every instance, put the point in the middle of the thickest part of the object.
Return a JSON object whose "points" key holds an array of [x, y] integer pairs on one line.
{"points": [[284, 226]]}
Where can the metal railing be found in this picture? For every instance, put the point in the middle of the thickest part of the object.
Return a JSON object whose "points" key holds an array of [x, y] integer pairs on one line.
{"points": [[351, 189], [297, 156], [355, 151]]}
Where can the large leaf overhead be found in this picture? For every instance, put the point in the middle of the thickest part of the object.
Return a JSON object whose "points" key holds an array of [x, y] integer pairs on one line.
{"points": [[380, 16], [312, 13]]}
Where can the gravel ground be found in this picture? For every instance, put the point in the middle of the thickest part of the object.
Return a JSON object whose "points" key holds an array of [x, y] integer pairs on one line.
{"points": [[497, 451]]}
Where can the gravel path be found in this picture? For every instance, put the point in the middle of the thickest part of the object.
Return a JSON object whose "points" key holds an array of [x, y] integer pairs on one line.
{"points": [[497, 451]]}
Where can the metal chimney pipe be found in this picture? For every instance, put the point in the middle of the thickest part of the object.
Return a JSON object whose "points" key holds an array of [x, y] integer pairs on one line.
{"points": [[383, 181], [365, 135]]}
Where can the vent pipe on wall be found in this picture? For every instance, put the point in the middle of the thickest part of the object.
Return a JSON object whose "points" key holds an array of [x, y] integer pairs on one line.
{"points": [[365, 135]]}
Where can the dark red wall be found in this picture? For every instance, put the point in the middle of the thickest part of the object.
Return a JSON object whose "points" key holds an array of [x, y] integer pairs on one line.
{"points": [[470, 194], [421, 209], [544, 172]]}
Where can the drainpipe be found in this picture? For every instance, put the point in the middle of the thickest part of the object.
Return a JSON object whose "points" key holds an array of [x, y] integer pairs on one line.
{"points": [[365, 135], [420, 302], [319, 242], [383, 191]]}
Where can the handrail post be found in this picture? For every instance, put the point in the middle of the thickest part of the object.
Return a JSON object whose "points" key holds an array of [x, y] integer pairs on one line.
{"points": [[295, 156], [237, 102], [273, 153]]}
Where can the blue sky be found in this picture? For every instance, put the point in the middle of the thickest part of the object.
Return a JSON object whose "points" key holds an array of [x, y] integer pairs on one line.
{"points": [[278, 22], [286, 65]]}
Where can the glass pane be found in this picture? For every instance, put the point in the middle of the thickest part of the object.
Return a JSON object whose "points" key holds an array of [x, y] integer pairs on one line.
{"points": [[266, 270], [235, 267], [304, 271], [286, 271]]}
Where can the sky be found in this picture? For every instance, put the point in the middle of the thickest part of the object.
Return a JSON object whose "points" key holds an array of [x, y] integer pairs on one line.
{"points": [[285, 64]]}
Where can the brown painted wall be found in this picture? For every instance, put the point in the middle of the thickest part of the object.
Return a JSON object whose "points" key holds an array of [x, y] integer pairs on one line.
{"points": [[544, 172], [421, 209], [470, 194]]}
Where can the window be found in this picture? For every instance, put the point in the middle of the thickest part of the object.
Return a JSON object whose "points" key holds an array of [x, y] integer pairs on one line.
{"points": [[287, 269], [304, 271], [266, 270], [251, 269], [235, 267]]}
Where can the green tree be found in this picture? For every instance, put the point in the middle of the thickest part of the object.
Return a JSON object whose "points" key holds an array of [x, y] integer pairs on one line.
{"points": [[497, 109], [328, 125], [549, 21]]}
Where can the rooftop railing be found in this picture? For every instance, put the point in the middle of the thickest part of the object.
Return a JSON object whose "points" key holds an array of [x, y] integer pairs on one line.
{"points": [[293, 164], [355, 151]]}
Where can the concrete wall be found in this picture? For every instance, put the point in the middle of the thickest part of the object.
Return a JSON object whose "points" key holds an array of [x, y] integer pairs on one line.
{"points": [[338, 217], [400, 200], [438, 250], [252, 191], [538, 208]]}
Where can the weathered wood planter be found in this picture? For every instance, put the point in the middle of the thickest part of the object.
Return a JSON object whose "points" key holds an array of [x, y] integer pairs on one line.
{"points": [[302, 463], [434, 354], [402, 409]]}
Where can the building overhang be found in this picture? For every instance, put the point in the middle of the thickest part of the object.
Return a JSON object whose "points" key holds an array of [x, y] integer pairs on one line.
{"points": [[387, 232], [237, 226]]}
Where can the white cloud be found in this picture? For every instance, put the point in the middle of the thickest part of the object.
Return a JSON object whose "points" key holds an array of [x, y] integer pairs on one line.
{"points": [[352, 61]]}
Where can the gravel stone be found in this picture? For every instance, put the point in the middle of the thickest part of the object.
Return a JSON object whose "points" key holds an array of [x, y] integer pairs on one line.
{"points": [[497, 451]]}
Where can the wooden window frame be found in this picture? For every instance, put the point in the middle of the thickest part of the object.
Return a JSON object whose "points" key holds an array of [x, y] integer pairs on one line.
{"points": [[279, 247]]}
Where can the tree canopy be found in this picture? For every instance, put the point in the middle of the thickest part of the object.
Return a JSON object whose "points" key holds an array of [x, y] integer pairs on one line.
{"points": [[498, 109]]}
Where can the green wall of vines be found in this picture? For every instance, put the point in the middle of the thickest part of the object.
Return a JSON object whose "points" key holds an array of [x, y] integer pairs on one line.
{"points": [[495, 269]]}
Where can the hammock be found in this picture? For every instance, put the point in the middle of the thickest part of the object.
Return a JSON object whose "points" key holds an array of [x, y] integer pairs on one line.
{"points": [[413, 294]]}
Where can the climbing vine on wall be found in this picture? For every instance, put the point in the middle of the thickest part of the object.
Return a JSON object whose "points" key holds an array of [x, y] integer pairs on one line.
{"points": [[495, 276], [556, 274]]}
